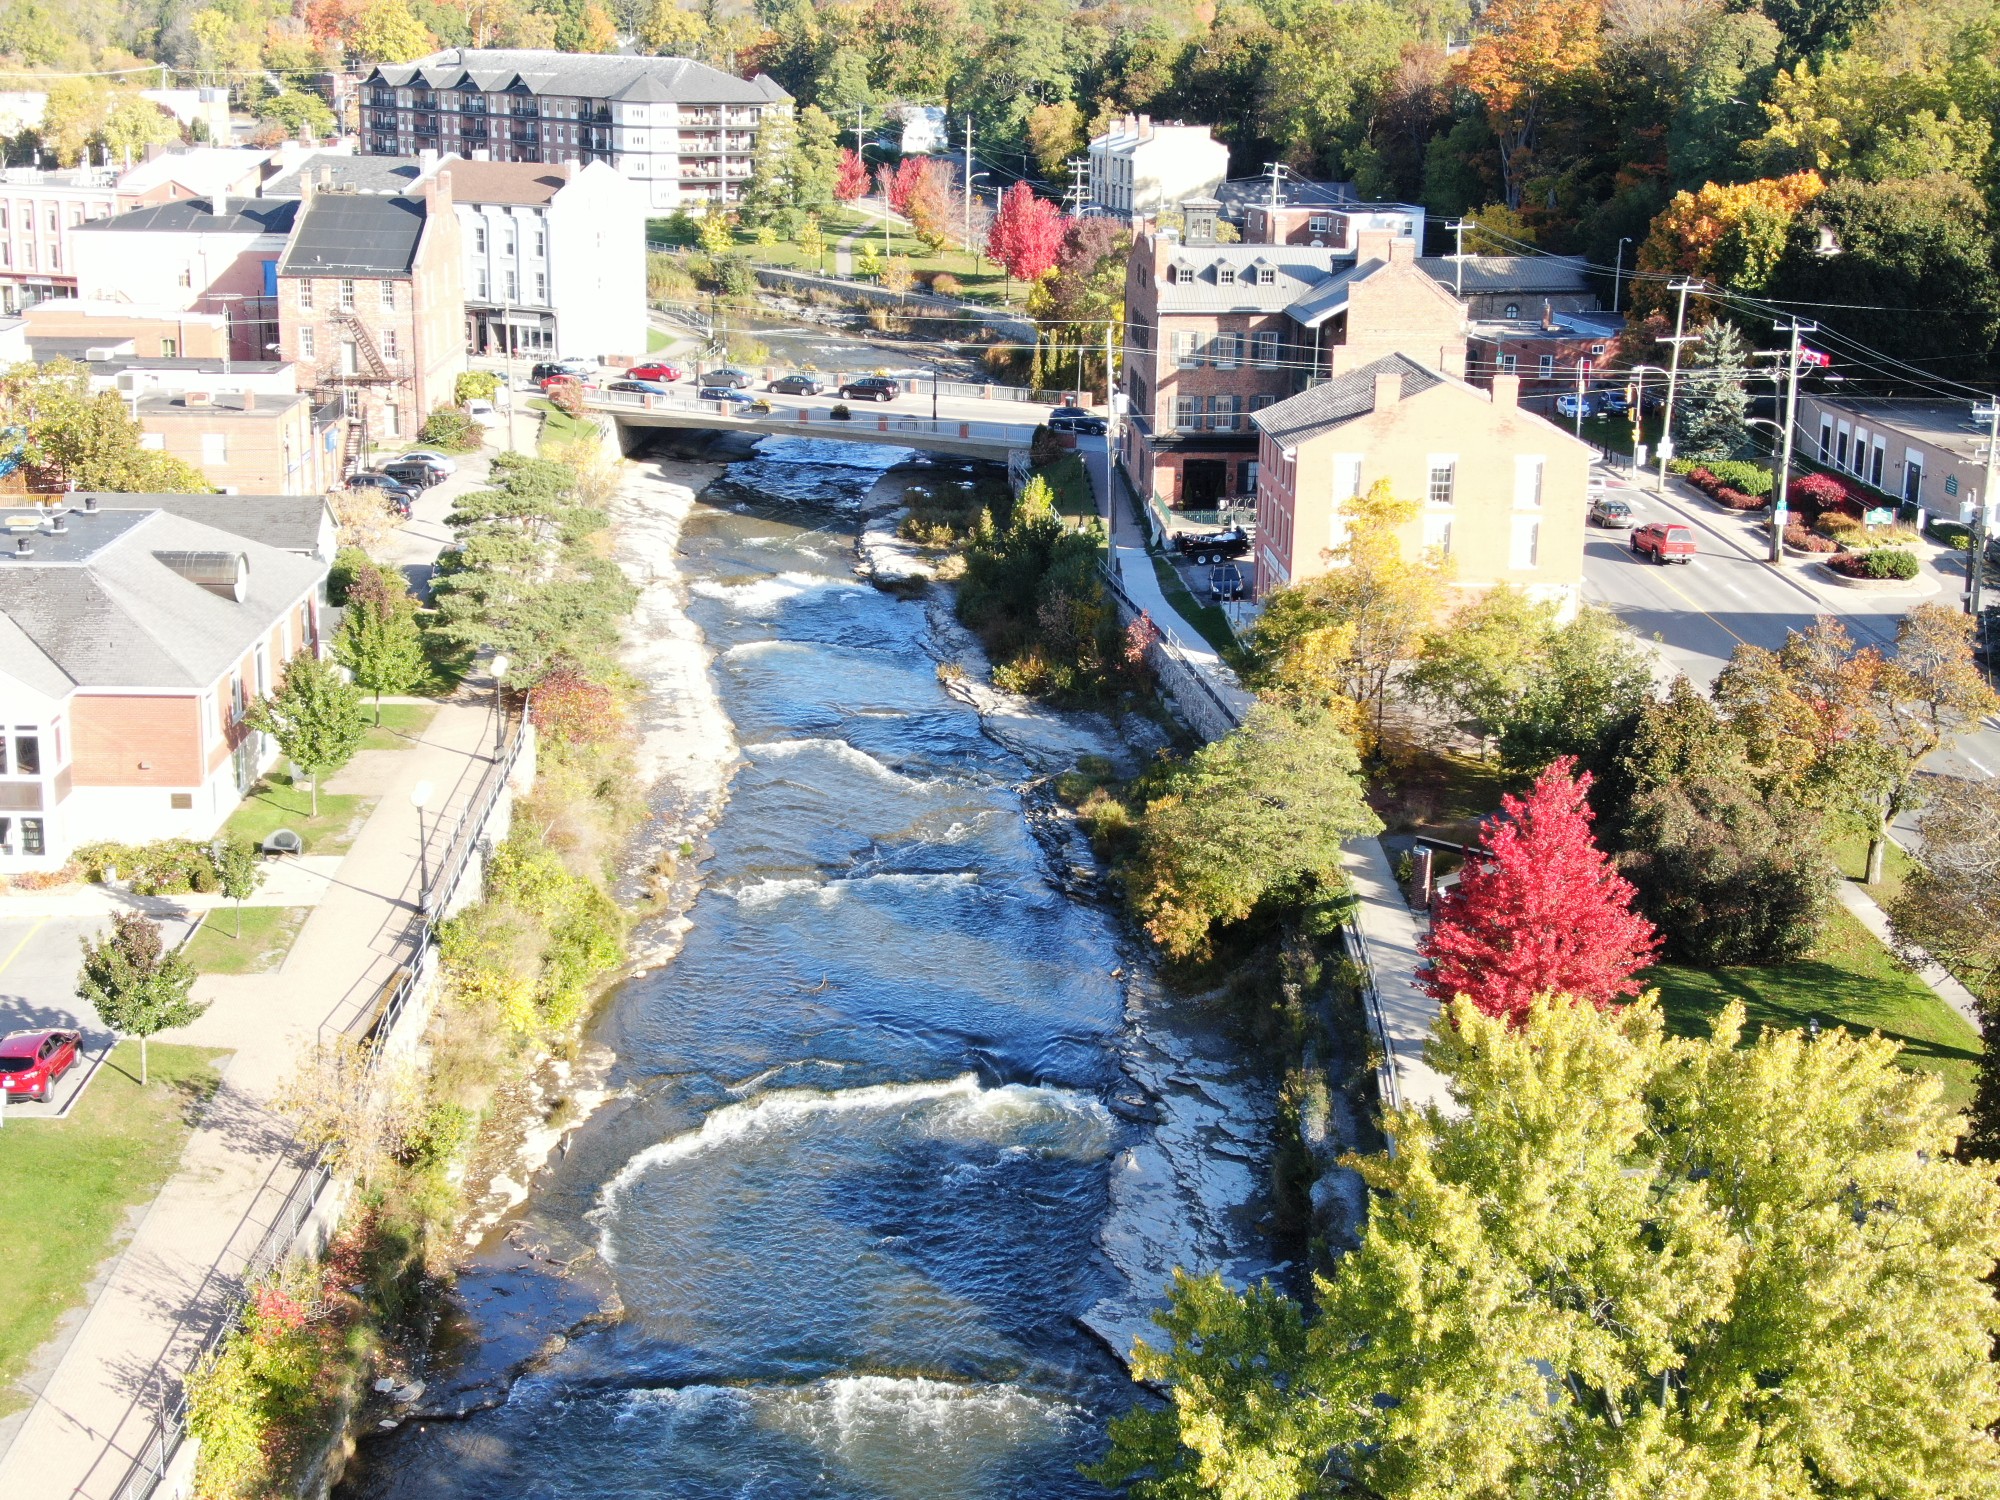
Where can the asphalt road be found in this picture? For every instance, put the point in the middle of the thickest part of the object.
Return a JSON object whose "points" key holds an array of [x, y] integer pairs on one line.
{"points": [[1700, 612]]}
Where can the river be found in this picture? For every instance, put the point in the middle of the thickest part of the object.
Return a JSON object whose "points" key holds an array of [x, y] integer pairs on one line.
{"points": [[903, 1138]]}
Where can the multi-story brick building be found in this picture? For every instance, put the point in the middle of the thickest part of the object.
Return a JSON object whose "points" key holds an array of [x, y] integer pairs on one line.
{"points": [[131, 642], [255, 443], [68, 327], [1509, 288], [39, 211], [1502, 491], [1554, 354], [683, 130], [1217, 332], [370, 300]]}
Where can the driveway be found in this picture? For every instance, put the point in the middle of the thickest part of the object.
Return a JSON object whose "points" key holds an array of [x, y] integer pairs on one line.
{"points": [[39, 957]]}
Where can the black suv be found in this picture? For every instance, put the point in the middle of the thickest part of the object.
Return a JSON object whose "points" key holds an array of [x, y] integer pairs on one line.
{"points": [[398, 495], [871, 388], [416, 473], [1069, 419], [1213, 546]]}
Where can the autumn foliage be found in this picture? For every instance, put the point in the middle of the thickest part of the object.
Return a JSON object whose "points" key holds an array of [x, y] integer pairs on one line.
{"points": [[1541, 911], [851, 180], [1027, 234], [571, 707]]}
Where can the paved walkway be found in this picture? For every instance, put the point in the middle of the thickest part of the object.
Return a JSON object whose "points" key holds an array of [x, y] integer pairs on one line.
{"points": [[1400, 1012], [175, 1279], [1856, 899]]}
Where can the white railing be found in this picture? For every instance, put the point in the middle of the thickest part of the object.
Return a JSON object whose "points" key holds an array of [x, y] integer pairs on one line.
{"points": [[787, 418]]}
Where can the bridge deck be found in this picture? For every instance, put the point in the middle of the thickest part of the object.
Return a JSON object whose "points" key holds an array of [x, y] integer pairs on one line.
{"points": [[964, 436]]}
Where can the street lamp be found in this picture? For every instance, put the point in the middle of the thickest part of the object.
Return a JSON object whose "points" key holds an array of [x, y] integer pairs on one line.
{"points": [[500, 666], [420, 796]]}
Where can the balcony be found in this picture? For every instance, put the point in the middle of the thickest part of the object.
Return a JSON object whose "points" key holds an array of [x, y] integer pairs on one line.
{"points": [[701, 171], [475, 104], [426, 125], [525, 134], [524, 110], [381, 98], [382, 122], [699, 117]]}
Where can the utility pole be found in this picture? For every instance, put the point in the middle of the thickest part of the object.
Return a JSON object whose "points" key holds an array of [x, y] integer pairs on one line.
{"points": [[1795, 328], [967, 238], [1618, 273], [1458, 227], [1275, 170], [1580, 367], [1078, 190], [1111, 424], [1683, 286], [1975, 568]]}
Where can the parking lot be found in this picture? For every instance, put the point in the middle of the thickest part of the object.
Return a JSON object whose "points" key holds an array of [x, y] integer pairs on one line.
{"points": [[39, 957]]}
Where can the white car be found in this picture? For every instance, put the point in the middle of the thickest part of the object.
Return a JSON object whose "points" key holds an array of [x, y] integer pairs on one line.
{"points": [[482, 412], [442, 462]]}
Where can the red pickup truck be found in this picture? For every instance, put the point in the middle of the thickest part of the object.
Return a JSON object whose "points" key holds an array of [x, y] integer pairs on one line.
{"points": [[1664, 542]]}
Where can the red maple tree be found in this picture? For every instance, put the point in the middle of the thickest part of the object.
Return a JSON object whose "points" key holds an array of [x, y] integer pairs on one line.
{"points": [[852, 179], [1541, 912], [1027, 233]]}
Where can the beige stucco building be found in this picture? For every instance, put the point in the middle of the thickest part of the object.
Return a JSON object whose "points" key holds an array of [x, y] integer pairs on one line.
{"points": [[1502, 491]]}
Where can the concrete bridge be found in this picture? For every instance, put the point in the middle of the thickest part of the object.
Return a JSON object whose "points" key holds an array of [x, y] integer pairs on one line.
{"points": [[963, 436]]}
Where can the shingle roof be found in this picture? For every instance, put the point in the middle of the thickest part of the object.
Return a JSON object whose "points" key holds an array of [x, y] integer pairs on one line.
{"points": [[202, 168], [1341, 399], [595, 76], [504, 181], [352, 174], [198, 216], [291, 523], [106, 611], [1297, 269], [355, 234], [1497, 275]]}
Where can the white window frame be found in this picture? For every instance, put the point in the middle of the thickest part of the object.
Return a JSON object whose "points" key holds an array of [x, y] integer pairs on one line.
{"points": [[1530, 474], [1447, 463]]}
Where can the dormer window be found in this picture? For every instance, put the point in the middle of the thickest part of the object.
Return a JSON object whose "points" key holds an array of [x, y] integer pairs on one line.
{"points": [[1225, 276], [1267, 276]]}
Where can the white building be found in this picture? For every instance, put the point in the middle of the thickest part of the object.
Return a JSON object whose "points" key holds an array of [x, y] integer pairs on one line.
{"points": [[925, 130], [1138, 168], [556, 253], [683, 130]]}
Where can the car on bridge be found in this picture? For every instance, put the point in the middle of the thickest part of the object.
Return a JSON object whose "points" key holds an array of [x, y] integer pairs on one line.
{"points": [[1083, 423], [728, 395], [655, 369], [871, 388], [736, 379], [641, 387], [31, 1062], [1664, 542], [576, 369], [797, 385]]}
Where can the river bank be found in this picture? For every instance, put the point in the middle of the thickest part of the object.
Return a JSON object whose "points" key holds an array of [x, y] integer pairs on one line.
{"points": [[896, 1047]]}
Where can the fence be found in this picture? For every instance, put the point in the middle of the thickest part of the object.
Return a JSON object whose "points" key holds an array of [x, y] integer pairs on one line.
{"points": [[1389, 1091], [1189, 682], [372, 1030]]}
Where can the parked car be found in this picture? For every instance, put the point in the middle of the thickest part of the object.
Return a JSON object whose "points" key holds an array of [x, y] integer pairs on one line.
{"points": [[739, 379], [399, 496], [1572, 404], [655, 369], [1612, 401], [483, 412], [32, 1062], [1664, 542], [1069, 419], [1611, 513], [1213, 546], [415, 473], [871, 388], [580, 369], [797, 385], [1225, 581], [641, 387], [727, 393], [444, 463]]}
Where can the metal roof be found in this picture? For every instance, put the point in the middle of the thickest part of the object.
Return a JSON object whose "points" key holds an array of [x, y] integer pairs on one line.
{"points": [[353, 174], [1498, 275], [291, 523], [355, 234], [1296, 270], [198, 216]]}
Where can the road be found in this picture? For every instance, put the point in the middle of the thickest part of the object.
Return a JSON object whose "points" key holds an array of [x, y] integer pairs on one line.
{"points": [[1699, 613]]}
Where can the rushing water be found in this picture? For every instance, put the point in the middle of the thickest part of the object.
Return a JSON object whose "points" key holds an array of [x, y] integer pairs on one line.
{"points": [[850, 1199]]}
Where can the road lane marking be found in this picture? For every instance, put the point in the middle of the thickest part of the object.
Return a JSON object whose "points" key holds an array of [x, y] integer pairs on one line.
{"points": [[1699, 610], [41, 922], [1976, 765]]}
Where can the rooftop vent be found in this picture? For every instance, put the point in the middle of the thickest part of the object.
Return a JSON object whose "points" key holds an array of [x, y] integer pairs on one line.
{"points": [[225, 574], [90, 505], [58, 524], [24, 547]]}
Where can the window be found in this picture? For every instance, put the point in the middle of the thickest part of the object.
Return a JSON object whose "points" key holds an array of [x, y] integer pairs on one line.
{"points": [[1825, 439], [170, 349], [214, 448], [27, 755], [1222, 413], [1226, 350], [6, 833], [31, 836], [52, 219], [1528, 481], [1267, 276], [6, 254], [3, 218], [541, 244], [1185, 346], [1225, 276], [1507, 364], [1597, 348], [392, 420], [1437, 535], [305, 343], [389, 350], [350, 358], [479, 239], [480, 287], [1527, 541], [1249, 485], [1546, 366], [1513, 310], [1258, 403], [1187, 414], [1346, 478], [1443, 480], [55, 257], [1320, 223], [306, 294], [1861, 452], [346, 294], [388, 296], [507, 247], [541, 286], [187, 277], [1264, 349], [1840, 448], [1875, 466]]}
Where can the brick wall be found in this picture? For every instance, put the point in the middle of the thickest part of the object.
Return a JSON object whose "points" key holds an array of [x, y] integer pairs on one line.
{"points": [[150, 741]]}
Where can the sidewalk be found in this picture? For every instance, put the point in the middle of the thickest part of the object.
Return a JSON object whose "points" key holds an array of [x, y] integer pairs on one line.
{"points": [[1857, 900], [175, 1279], [1400, 1013]]}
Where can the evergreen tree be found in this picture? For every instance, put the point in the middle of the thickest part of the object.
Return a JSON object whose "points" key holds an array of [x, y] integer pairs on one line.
{"points": [[1709, 416]]}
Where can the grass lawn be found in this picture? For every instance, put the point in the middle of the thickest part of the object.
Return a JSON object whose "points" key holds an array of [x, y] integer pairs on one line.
{"points": [[67, 1186], [275, 803], [559, 426], [1069, 480], [403, 724], [1206, 618], [1849, 980], [267, 937], [656, 341], [1444, 794], [1851, 855]]}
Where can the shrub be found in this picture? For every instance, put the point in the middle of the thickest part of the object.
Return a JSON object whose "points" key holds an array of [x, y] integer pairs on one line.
{"points": [[1044, 447], [1837, 524], [1750, 478], [1953, 534], [348, 564], [1890, 562], [168, 867], [840, 413], [1701, 477], [1813, 493], [566, 396], [1735, 499], [1801, 540], [944, 284], [475, 385], [734, 276], [452, 429]]}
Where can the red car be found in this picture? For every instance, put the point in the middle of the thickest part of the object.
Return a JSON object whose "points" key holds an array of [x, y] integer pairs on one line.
{"points": [[1664, 542], [32, 1061], [658, 370]]}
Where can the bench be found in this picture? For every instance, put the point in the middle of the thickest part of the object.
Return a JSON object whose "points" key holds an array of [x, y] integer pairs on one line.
{"points": [[283, 841]]}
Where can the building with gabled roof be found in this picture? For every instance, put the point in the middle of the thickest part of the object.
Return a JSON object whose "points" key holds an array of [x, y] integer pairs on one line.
{"points": [[131, 642], [683, 130]]}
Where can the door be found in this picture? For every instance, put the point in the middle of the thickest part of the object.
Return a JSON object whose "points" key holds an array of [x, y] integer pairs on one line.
{"points": [[1202, 483]]}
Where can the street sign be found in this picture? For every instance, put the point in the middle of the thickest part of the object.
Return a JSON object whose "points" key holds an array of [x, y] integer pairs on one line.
{"points": [[1880, 517]]}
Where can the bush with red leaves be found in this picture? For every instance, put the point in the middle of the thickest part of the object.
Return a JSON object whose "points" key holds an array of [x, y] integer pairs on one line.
{"points": [[571, 707]]}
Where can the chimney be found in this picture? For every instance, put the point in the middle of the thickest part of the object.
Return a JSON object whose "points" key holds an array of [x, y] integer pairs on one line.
{"points": [[219, 203], [1402, 251], [437, 191], [249, 400], [1506, 392], [1388, 389], [197, 398], [1548, 316], [1145, 127], [1372, 244], [427, 160], [569, 171]]}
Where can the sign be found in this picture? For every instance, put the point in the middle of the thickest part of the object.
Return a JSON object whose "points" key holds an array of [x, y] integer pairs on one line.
{"points": [[1880, 517], [1951, 484]]}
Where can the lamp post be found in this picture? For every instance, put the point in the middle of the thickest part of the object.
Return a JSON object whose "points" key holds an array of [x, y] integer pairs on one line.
{"points": [[420, 796], [500, 666]]}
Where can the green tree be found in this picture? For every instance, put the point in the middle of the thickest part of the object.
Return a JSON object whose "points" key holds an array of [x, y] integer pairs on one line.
{"points": [[670, 31], [83, 441], [718, 230], [1330, 65], [380, 641], [135, 983], [387, 32], [73, 115], [1710, 419], [812, 242], [300, 112], [1636, 1265], [132, 124], [1479, 664], [315, 716], [1261, 813], [239, 870], [1592, 677]]}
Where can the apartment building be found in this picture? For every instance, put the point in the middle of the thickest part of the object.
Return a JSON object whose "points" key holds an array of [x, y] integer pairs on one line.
{"points": [[1140, 168], [131, 642], [39, 212], [244, 440], [555, 258], [1503, 491], [371, 302], [684, 131], [1216, 333]]}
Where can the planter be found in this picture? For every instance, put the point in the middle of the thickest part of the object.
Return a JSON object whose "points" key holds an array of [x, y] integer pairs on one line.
{"points": [[1922, 584]]}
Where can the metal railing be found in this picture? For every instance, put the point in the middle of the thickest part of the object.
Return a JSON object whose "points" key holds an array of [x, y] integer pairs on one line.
{"points": [[1371, 999], [1013, 434], [1172, 645], [372, 1029]]}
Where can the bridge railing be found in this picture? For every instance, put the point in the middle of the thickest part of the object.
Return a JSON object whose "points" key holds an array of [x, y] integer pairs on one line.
{"points": [[734, 412]]}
